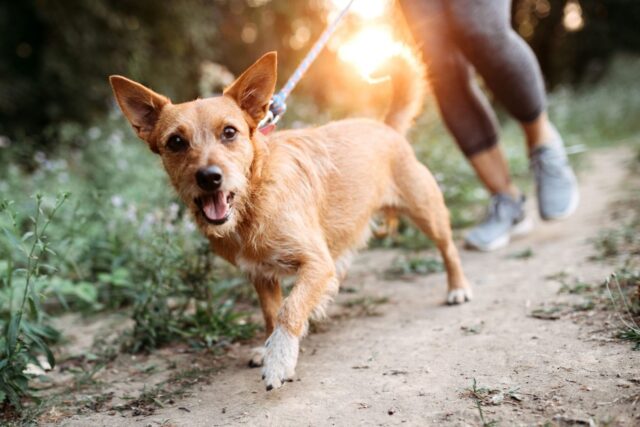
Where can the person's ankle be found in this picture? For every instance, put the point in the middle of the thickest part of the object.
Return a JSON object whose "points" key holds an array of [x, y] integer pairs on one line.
{"points": [[511, 191], [548, 137]]}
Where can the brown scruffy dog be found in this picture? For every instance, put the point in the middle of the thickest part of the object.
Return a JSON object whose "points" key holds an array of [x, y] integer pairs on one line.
{"points": [[296, 202]]}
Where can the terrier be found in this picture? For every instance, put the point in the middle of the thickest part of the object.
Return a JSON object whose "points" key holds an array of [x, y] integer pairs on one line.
{"points": [[295, 202]]}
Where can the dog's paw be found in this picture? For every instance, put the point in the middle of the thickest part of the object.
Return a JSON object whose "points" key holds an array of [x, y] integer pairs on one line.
{"points": [[459, 296], [257, 356], [280, 358]]}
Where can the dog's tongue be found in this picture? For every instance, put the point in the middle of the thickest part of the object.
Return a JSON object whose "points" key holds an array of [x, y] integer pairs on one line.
{"points": [[215, 207]]}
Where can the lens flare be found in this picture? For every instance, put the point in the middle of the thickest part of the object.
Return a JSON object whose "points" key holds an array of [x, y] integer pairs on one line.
{"points": [[369, 48], [573, 20]]}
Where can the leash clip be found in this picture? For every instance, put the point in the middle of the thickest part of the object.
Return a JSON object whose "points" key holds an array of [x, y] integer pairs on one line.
{"points": [[271, 119]]}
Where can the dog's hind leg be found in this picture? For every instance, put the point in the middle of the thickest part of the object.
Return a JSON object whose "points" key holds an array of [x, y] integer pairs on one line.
{"points": [[423, 202], [270, 296]]}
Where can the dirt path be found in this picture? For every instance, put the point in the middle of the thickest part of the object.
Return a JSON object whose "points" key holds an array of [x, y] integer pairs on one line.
{"points": [[414, 363]]}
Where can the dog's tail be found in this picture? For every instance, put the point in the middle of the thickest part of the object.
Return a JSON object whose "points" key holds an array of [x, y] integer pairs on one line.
{"points": [[408, 85], [407, 75]]}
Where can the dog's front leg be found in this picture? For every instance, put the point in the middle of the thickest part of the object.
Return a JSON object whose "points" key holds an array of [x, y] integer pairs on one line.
{"points": [[315, 277], [270, 296]]}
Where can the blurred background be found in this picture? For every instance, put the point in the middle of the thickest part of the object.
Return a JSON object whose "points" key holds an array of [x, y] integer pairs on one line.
{"points": [[56, 55], [90, 224]]}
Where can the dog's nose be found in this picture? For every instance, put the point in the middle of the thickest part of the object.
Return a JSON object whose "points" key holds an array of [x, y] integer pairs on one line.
{"points": [[209, 178]]}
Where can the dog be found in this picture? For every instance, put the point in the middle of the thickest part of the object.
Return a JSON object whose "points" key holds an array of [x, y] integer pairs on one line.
{"points": [[295, 202]]}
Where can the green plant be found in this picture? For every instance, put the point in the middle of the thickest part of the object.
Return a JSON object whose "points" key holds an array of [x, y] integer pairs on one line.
{"points": [[479, 394], [627, 309], [408, 265], [185, 296], [25, 333], [523, 254], [126, 242]]}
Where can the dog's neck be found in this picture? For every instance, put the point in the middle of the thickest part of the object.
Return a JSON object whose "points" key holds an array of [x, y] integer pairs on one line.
{"points": [[260, 154], [230, 245]]}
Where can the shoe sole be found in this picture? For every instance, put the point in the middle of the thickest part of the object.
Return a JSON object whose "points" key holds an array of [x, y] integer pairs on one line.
{"points": [[520, 229]]}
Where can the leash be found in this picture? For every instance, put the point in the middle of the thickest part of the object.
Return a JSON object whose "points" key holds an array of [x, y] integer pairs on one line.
{"points": [[278, 105]]}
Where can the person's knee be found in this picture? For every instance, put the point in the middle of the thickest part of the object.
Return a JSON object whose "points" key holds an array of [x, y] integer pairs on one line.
{"points": [[444, 66], [474, 145]]}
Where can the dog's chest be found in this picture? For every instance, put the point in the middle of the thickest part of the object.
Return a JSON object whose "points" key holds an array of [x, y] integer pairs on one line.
{"points": [[270, 266]]}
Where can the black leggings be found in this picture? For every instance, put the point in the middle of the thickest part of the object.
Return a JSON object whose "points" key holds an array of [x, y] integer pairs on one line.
{"points": [[455, 35]]}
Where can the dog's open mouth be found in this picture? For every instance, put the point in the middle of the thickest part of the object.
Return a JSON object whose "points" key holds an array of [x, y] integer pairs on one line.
{"points": [[216, 207]]}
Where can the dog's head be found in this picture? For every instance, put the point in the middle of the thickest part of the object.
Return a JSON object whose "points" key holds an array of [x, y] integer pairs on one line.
{"points": [[208, 146]]}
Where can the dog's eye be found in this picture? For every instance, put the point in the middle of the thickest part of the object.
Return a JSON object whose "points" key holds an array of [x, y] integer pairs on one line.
{"points": [[176, 143], [229, 133]]}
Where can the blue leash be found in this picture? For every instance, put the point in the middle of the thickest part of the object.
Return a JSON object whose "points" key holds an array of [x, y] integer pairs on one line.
{"points": [[278, 105]]}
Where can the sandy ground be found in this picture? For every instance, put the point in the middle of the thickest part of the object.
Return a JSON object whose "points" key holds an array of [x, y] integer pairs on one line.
{"points": [[414, 363]]}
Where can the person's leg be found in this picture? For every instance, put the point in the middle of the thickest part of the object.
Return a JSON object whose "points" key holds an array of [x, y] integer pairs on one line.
{"points": [[538, 132], [482, 30], [492, 169], [463, 107], [470, 119]]}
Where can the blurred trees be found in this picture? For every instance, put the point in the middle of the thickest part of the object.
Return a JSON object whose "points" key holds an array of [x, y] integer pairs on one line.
{"points": [[55, 55], [574, 40]]}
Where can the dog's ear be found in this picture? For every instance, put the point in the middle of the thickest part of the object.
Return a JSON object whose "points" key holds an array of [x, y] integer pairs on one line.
{"points": [[140, 105], [253, 89]]}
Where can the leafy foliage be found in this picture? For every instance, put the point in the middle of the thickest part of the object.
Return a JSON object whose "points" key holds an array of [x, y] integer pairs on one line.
{"points": [[56, 55], [25, 333], [123, 241]]}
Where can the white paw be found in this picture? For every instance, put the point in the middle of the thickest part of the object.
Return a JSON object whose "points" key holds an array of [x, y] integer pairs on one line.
{"points": [[280, 358], [257, 356], [459, 296]]}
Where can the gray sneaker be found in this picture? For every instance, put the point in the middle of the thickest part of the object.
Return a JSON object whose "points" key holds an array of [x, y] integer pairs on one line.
{"points": [[505, 219], [556, 184]]}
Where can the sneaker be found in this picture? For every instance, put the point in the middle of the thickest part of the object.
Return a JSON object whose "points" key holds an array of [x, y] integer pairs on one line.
{"points": [[505, 219], [556, 184]]}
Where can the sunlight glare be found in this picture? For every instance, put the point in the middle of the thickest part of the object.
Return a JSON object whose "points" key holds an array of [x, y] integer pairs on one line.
{"points": [[369, 48], [365, 9]]}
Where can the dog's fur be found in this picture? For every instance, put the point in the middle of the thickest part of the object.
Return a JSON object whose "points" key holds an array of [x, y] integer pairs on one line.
{"points": [[301, 200]]}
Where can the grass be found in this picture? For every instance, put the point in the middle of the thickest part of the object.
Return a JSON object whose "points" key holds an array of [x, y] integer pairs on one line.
{"points": [[523, 254], [408, 265], [122, 243], [576, 288], [618, 246], [485, 396], [621, 246], [632, 334], [478, 395], [26, 332], [166, 392], [365, 306], [627, 307]]}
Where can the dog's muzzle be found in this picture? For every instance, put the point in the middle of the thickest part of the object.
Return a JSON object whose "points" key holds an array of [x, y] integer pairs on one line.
{"points": [[215, 204]]}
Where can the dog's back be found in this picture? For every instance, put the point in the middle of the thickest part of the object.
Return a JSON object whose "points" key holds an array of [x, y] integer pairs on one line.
{"points": [[343, 171]]}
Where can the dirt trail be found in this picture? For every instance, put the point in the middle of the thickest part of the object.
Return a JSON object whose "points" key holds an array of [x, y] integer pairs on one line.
{"points": [[413, 363]]}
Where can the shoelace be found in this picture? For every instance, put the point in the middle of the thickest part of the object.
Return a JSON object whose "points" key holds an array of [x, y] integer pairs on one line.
{"points": [[495, 211], [543, 163]]}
